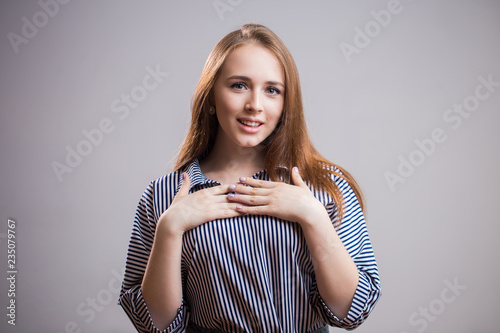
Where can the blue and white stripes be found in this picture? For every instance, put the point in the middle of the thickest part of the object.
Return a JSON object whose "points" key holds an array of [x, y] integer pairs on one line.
{"points": [[249, 273]]}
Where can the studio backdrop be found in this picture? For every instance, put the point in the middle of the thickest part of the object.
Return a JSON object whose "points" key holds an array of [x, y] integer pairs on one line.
{"points": [[95, 100]]}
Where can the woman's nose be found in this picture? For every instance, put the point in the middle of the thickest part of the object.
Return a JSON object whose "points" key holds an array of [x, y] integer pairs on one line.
{"points": [[254, 103]]}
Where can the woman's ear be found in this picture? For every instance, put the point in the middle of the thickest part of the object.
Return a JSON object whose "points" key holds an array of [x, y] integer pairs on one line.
{"points": [[211, 97]]}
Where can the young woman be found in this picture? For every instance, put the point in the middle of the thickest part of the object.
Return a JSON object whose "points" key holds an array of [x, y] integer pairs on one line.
{"points": [[254, 231]]}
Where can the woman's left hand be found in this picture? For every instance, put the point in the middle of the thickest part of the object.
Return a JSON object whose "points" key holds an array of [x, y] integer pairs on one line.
{"points": [[294, 203]]}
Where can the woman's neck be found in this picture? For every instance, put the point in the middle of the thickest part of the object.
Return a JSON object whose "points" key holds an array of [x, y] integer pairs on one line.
{"points": [[227, 162]]}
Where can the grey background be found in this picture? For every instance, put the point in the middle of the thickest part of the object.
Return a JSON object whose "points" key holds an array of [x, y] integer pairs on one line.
{"points": [[439, 226]]}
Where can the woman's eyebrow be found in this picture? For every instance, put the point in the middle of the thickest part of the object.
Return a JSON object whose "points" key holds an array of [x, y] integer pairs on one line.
{"points": [[246, 78]]}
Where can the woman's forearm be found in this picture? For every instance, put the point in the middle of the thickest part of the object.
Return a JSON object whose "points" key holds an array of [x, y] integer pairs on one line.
{"points": [[162, 283], [336, 274]]}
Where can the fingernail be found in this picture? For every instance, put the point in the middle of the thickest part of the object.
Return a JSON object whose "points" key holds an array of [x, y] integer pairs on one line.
{"points": [[295, 169], [232, 187], [230, 195], [239, 207], [183, 176], [243, 179]]}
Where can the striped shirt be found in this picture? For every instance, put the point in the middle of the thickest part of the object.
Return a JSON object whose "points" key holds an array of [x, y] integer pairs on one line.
{"points": [[249, 273]]}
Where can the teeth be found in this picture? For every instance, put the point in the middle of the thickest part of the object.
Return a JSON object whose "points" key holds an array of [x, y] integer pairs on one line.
{"points": [[249, 123]]}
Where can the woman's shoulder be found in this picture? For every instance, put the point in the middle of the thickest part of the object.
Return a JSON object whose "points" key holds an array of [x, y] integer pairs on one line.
{"points": [[170, 182], [330, 166], [341, 177], [335, 171], [173, 176], [165, 185]]}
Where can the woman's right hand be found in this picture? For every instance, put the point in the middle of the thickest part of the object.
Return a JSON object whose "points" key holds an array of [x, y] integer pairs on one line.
{"points": [[188, 211], [162, 282]]}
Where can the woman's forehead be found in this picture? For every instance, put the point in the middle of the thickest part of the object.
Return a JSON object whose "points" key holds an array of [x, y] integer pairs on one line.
{"points": [[255, 62]]}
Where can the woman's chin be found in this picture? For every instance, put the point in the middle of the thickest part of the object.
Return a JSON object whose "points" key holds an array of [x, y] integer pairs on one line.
{"points": [[248, 145]]}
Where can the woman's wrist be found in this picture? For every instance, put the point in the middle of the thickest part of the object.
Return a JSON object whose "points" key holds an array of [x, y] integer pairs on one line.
{"points": [[167, 226], [316, 214]]}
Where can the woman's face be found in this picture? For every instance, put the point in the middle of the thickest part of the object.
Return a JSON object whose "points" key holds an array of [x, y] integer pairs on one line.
{"points": [[249, 95]]}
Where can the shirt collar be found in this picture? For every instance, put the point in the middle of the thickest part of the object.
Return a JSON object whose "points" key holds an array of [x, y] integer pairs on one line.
{"points": [[197, 177]]}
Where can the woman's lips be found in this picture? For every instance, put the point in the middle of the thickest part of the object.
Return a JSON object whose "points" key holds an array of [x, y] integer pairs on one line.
{"points": [[250, 123], [250, 126]]}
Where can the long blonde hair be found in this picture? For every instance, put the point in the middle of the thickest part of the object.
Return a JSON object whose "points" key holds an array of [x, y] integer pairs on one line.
{"points": [[289, 145]]}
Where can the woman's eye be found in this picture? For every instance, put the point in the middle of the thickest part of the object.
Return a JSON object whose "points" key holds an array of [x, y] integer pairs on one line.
{"points": [[238, 86], [273, 91]]}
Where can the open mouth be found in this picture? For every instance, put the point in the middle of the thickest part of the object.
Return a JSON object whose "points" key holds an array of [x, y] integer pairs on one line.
{"points": [[250, 123]]}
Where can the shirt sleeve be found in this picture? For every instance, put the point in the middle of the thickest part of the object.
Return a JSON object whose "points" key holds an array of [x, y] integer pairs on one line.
{"points": [[139, 249], [354, 236]]}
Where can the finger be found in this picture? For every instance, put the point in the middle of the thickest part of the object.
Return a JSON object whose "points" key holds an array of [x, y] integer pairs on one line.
{"points": [[250, 200], [218, 190], [223, 190], [226, 210], [257, 182], [297, 179], [186, 184], [254, 210], [249, 190]]}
